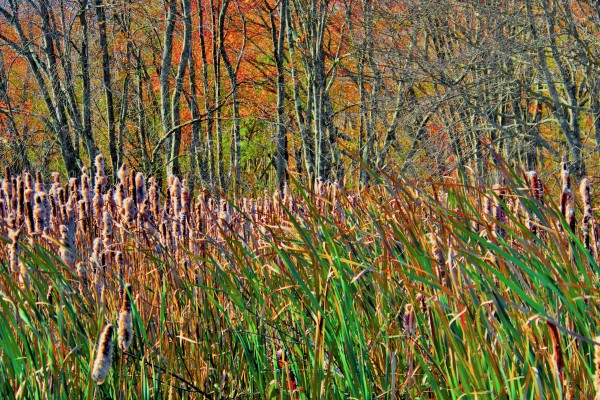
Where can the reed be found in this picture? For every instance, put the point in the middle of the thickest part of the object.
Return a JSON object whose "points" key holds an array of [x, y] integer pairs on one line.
{"points": [[403, 289]]}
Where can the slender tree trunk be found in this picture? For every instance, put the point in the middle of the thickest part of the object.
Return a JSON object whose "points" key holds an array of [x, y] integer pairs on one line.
{"points": [[216, 51], [165, 79], [208, 146], [234, 175], [173, 160], [17, 144], [70, 157], [88, 137], [197, 161], [278, 38], [107, 82], [141, 117]]}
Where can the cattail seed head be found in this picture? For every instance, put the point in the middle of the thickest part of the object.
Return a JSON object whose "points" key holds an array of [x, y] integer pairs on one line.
{"points": [[99, 163], [175, 189], [140, 188], [129, 211], [557, 355], [597, 368], [107, 226], [499, 211], [39, 183], [23, 276], [125, 333], [39, 213], [120, 195], [409, 320], [82, 275], [565, 176], [104, 353], [122, 174], [584, 190]]}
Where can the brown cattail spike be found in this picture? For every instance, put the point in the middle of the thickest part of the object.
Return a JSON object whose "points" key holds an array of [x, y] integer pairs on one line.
{"points": [[557, 354], [125, 333], [103, 355], [584, 190], [499, 211], [597, 368], [409, 321]]}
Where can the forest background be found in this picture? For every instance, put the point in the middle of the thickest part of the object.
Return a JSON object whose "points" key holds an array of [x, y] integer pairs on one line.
{"points": [[238, 94]]}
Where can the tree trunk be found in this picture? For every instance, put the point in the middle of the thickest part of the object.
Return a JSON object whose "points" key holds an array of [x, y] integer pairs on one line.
{"points": [[106, 80], [173, 159]]}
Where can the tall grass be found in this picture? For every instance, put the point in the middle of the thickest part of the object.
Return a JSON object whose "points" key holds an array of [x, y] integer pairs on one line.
{"points": [[444, 291]]}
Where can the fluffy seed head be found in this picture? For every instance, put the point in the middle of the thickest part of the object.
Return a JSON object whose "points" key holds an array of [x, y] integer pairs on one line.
{"points": [[129, 211], [122, 174], [103, 355], [597, 367], [410, 325], [140, 188], [584, 190], [557, 356], [125, 333]]}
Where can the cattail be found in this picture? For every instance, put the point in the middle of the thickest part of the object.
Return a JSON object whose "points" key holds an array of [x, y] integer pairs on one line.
{"points": [[185, 198], [98, 199], [100, 174], [570, 210], [97, 246], [122, 174], [86, 193], [82, 220], [154, 197], [82, 275], [39, 183], [224, 221], [499, 212], [109, 202], [120, 265], [537, 192], [27, 180], [28, 194], [74, 188], [50, 295], [107, 228], [409, 320], [129, 211], [584, 190], [140, 188], [597, 367], [131, 190], [70, 213], [438, 254], [13, 235], [65, 251], [20, 201], [23, 276], [55, 184], [125, 332], [7, 185], [39, 213], [61, 199], [286, 194], [120, 195], [104, 353], [175, 189], [557, 355], [566, 189], [185, 208]]}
